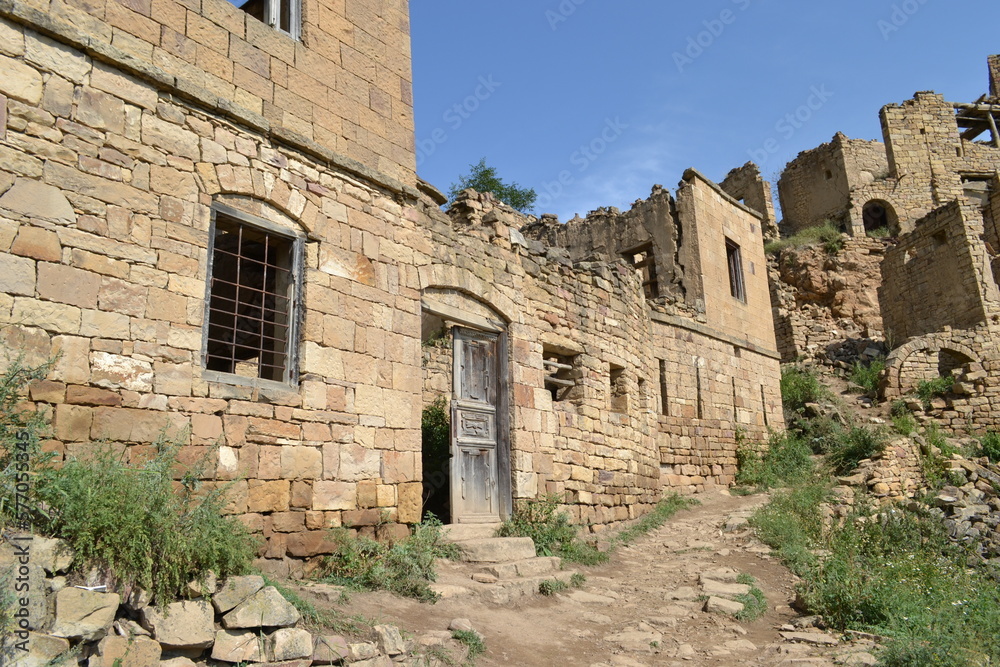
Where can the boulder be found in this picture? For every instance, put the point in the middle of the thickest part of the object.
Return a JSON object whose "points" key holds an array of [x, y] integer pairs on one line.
{"points": [[291, 644], [181, 625], [53, 555], [44, 650], [714, 604], [84, 615], [330, 649], [233, 646], [265, 608], [389, 640], [116, 651], [235, 590]]}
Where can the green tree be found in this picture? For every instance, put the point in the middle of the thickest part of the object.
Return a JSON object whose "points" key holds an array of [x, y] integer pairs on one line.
{"points": [[484, 179]]}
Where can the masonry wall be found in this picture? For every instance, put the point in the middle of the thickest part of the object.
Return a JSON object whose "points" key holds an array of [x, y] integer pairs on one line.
{"points": [[937, 276], [345, 85], [746, 185], [994, 67], [106, 188]]}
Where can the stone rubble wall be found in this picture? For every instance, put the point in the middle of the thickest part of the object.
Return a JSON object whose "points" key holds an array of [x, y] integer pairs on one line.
{"points": [[745, 184]]}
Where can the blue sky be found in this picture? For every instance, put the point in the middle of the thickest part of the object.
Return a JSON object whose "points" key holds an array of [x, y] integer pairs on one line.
{"points": [[591, 102]]}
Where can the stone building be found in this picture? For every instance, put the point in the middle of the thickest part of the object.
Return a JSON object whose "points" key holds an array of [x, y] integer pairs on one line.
{"points": [[212, 216], [934, 151]]}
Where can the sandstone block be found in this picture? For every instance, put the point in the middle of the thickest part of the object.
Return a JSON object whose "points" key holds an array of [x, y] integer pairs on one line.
{"points": [[20, 81], [79, 395], [51, 554], [236, 646], [17, 275], [389, 640], [265, 608], [235, 590], [329, 649], [410, 502], [38, 200], [114, 371], [84, 615], [309, 543], [334, 496], [268, 496], [115, 651], [722, 589], [291, 644], [43, 650], [66, 284], [497, 549], [301, 462], [37, 243], [181, 625], [722, 605]]}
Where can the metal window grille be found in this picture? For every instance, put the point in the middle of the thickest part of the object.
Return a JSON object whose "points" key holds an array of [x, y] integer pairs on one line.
{"points": [[735, 262], [251, 299]]}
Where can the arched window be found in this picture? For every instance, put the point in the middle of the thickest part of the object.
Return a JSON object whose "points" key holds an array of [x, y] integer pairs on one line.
{"points": [[880, 219]]}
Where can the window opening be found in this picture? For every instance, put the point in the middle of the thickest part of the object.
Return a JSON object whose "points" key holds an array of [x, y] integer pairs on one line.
{"points": [[697, 372], [664, 398], [251, 301], [619, 392], [563, 374], [763, 407], [645, 263], [643, 399], [282, 15], [736, 284]]}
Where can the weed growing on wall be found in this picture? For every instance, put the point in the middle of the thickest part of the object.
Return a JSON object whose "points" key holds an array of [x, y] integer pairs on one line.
{"points": [[865, 376], [784, 459], [551, 531], [826, 234]]}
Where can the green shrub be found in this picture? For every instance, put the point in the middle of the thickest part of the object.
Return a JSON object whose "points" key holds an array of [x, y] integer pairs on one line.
{"points": [[898, 408], [799, 386], [785, 459], [989, 446], [754, 603], [866, 376], [473, 642], [577, 579], [435, 454], [878, 233], [551, 586], [551, 531], [130, 521], [8, 622], [821, 433], [827, 234], [405, 567], [792, 524], [664, 509], [928, 389], [857, 444], [904, 424]]}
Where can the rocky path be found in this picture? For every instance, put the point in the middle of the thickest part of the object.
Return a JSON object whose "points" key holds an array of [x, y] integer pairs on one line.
{"points": [[645, 607]]}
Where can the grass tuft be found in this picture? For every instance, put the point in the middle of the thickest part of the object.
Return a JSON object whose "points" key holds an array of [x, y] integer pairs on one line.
{"points": [[827, 234], [784, 459], [865, 376]]}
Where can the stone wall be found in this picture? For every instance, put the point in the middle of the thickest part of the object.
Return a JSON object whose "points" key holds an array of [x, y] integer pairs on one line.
{"points": [[938, 275], [746, 185], [345, 85], [994, 65], [816, 186]]}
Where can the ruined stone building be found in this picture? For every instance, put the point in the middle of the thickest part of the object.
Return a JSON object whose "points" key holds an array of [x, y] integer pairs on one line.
{"points": [[212, 216], [934, 186], [934, 151]]}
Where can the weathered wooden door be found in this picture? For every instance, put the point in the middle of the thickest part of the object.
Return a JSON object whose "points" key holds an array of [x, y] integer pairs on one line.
{"points": [[475, 487]]}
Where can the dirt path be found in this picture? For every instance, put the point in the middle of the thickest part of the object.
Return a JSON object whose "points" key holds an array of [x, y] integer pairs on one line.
{"points": [[641, 608]]}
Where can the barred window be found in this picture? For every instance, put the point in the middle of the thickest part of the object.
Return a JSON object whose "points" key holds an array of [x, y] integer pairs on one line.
{"points": [[252, 298]]}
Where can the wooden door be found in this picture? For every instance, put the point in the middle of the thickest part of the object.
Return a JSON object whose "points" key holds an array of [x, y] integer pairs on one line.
{"points": [[475, 445]]}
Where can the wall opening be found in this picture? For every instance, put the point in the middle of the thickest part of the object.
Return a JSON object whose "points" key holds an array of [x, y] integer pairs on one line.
{"points": [[664, 395], [562, 374], [737, 286], [641, 394], [617, 388], [880, 219], [644, 262], [950, 361]]}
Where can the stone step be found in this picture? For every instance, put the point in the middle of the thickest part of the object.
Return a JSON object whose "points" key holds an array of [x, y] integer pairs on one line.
{"points": [[459, 532], [497, 549], [531, 567]]}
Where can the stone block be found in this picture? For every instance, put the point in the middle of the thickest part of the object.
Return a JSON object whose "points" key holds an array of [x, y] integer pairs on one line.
{"points": [[722, 605], [181, 625], [17, 275], [51, 554], [115, 651], [410, 502], [497, 549], [310, 543], [36, 243], [301, 462], [45, 650], [329, 650], [47, 391], [73, 422], [334, 496], [235, 590], [34, 199], [80, 395], [237, 646], [114, 371], [291, 644], [84, 615], [265, 608], [389, 640], [265, 496], [20, 81]]}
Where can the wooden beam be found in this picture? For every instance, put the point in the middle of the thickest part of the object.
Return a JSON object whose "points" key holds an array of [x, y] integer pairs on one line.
{"points": [[993, 127], [559, 382]]}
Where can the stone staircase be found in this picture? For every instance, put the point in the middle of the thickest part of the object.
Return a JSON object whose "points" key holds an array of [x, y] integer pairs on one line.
{"points": [[501, 570]]}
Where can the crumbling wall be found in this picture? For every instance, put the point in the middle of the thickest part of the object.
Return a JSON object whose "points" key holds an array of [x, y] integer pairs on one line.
{"points": [[746, 185], [817, 186], [825, 305], [994, 67], [938, 276]]}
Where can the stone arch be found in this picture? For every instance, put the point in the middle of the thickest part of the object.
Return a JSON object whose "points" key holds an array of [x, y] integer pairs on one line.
{"points": [[878, 213], [935, 352], [444, 277]]}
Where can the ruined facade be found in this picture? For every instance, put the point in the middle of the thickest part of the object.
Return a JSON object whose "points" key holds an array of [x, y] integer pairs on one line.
{"points": [[934, 151], [218, 240]]}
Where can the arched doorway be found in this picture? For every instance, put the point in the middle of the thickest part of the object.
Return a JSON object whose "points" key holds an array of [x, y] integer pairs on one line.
{"points": [[880, 219]]}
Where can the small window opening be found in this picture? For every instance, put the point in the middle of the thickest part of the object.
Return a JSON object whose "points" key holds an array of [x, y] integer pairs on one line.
{"points": [[562, 374], [251, 301], [736, 284], [697, 374], [664, 395], [643, 398], [282, 15], [618, 389], [763, 407], [828, 174], [940, 238], [645, 263]]}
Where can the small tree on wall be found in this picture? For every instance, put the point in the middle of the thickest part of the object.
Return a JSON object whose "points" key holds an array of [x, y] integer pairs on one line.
{"points": [[483, 178]]}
